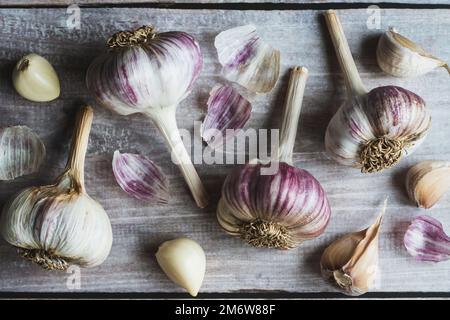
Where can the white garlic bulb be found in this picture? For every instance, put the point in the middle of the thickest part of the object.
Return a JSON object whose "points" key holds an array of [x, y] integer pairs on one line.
{"points": [[401, 57], [183, 261], [58, 225], [21, 152], [35, 79]]}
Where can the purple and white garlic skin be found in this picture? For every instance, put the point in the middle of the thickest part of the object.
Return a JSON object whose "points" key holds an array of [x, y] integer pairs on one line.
{"points": [[426, 240], [140, 177], [151, 73], [372, 130], [281, 209]]}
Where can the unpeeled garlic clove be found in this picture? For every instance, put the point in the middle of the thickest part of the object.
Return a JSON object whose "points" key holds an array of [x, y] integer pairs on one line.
{"points": [[139, 177], [401, 57], [183, 261], [21, 152], [248, 60], [427, 181], [227, 109], [35, 79], [352, 260]]}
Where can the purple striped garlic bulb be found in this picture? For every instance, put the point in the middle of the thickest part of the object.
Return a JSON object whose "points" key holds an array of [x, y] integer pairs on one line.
{"points": [[151, 73], [278, 209], [372, 130]]}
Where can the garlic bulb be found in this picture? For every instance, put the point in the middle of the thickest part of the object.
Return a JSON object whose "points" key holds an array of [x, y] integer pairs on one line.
{"points": [[227, 109], [183, 261], [351, 262], [140, 177], [21, 152], [35, 79], [372, 130], [60, 224], [426, 240], [400, 57], [150, 73], [427, 181], [247, 59], [282, 209]]}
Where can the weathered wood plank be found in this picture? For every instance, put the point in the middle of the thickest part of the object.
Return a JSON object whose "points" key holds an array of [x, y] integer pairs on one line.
{"points": [[139, 228]]}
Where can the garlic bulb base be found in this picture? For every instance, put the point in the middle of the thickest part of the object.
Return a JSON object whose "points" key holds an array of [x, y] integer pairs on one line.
{"points": [[266, 234], [45, 259], [380, 154], [342, 279], [131, 38]]}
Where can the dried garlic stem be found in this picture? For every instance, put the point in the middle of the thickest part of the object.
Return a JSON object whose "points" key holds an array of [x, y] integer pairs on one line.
{"points": [[164, 120], [291, 113], [352, 79]]}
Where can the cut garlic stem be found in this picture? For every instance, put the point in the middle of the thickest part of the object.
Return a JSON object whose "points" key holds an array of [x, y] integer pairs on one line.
{"points": [[291, 113], [353, 81], [165, 121]]}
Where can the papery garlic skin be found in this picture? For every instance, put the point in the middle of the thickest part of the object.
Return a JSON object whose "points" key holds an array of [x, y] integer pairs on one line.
{"points": [[351, 262], [227, 109], [184, 262], [392, 116], [139, 177], [426, 240], [35, 79], [400, 57], [21, 152], [247, 59], [427, 182]]}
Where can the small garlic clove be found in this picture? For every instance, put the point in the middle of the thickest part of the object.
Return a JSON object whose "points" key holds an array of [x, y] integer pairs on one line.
{"points": [[426, 240], [427, 181], [352, 260], [401, 57], [21, 152], [35, 79], [247, 59], [183, 261], [227, 109], [139, 177]]}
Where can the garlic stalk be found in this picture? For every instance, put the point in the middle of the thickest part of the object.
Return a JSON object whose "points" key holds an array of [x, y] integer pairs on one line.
{"points": [[21, 152], [183, 261], [60, 224], [35, 79], [151, 73], [401, 57], [351, 262], [372, 130], [426, 240], [280, 209], [427, 181]]}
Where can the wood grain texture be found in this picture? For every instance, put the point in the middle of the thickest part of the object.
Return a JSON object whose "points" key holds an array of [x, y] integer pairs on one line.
{"points": [[139, 228]]}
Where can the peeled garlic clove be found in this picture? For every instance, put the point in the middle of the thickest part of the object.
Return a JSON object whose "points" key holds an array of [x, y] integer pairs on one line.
{"points": [[35, 79], [426, 240], [183, 261], [21, 152], [247, 59], [427, 182], [351, 262], [140, 177], [400, 57], [227, 109]]}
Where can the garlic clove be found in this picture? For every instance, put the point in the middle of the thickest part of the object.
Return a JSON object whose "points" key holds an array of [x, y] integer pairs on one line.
{"points": [[247, 59], [427, 181], [35, 79], [183, 261], [227, 109], [401, 57], [426, 240], [352, 260], [21, 152], [140, 177]]}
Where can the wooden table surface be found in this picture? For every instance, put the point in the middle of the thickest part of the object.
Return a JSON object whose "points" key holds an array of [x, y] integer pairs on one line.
{"points": [[138, 228]]}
